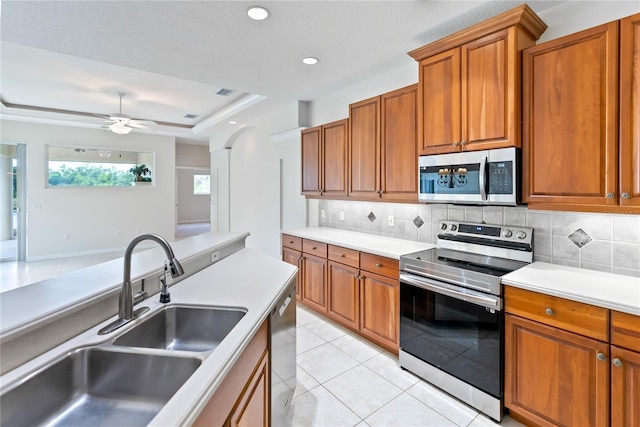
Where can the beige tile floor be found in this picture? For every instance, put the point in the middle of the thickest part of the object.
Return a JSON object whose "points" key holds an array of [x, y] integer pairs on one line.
{"points": [[344, 380]]}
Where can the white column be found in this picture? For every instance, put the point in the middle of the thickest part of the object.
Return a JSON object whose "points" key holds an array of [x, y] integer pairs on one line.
{"points": [[6, 184]]}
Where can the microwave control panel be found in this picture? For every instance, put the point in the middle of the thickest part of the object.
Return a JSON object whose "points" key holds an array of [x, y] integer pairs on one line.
{"points": [[501, 177]]}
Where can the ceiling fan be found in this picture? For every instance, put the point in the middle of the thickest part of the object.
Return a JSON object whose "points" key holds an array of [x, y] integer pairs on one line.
{"points": [[122, 124]]}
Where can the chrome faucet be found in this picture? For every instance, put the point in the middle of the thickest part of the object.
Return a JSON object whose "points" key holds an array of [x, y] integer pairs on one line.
{"points": [[125, 303]]}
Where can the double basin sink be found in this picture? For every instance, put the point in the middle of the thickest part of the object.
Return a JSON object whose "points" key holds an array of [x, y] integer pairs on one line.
{"points": [[124, 381]]}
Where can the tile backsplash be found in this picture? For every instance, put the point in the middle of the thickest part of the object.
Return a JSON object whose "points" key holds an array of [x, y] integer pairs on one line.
{"points": [[603, 242]]}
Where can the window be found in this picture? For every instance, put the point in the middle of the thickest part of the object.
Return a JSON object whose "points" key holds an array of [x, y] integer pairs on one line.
{"points": [[201, 185], [87, 167]]}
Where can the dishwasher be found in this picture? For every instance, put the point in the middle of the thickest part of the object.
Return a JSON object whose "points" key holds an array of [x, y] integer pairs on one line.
{"points": [[283, 355]]}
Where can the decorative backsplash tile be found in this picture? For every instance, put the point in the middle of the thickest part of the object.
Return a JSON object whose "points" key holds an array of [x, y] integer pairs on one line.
{"points": [[603, 242], [579, 238]]}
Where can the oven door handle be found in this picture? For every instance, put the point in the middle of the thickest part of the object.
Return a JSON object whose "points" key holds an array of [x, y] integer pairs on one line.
{"points": [[487, 301]]}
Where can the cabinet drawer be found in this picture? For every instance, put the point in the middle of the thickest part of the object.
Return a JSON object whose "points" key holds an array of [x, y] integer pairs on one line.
{"points": [[292, 242], [314, 248], [625, 330], [379, 265], [344, 256], [584, 319]]}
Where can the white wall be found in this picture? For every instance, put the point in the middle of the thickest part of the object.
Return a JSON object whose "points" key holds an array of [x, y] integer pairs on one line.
{"points": [[191, 207], [95, 219], [192, 160], [255, 191]]}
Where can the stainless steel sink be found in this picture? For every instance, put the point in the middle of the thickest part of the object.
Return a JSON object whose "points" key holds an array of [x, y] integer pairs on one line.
{"points": [[96, 387], [187, 328]]}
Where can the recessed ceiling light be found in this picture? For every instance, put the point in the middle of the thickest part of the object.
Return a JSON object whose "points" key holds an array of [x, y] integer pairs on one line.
{"points": [[310, 60], [258, 13], [233, 122]]}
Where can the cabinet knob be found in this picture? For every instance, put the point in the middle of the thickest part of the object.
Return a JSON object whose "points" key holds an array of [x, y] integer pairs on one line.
{"points": [[290, 241], [378, 265], [609, 195], [625, 195], [313, 248], [550, 311], [463, 143], [342, 256], [455, 143], [617, 362], [601, 356]]}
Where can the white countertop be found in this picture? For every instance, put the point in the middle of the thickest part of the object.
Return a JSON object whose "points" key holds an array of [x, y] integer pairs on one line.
{"points": [[229, 282], [17, 308], [613, 291], [378, 245]]}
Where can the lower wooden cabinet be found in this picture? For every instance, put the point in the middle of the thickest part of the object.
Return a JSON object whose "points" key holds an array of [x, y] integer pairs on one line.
{"points": [[344, 294], [625, 387], [253, 405], [554, 377], [380, 306], [314, 282], [569, 363], [294, 257], [244, 397], [358, 290]]}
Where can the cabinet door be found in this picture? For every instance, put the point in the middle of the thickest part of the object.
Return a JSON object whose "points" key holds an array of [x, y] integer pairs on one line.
{"points": [[399, 144], [311, 155], [344, 294], [253, 406], [314, 282], [439, 103], [569, 119], [364, 148], [553, 377], [293, 257], [488, 92], [630, 112], [625, 387], [334, 155], [380, 307]]}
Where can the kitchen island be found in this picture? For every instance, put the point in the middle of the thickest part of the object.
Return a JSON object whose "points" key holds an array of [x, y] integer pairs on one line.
{"points": [[245, 279]]}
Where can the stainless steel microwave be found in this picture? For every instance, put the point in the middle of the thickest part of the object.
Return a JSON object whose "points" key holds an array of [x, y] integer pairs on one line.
{"points": [[489, 177]]}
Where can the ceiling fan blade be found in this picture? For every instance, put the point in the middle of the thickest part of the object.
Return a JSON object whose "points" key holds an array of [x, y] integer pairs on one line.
{"points": [[137, 125]]}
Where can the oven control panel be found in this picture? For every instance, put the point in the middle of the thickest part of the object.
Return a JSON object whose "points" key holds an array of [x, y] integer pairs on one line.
{"points": [[475, 231]]}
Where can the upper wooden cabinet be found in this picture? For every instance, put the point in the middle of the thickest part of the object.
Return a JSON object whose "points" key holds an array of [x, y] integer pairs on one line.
{"points": [[470, 84], [630, 112], [324, 159], [383, 156], [576, 155]]}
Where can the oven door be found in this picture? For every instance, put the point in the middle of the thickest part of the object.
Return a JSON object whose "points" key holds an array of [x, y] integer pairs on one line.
{"points": [[454, 329]]}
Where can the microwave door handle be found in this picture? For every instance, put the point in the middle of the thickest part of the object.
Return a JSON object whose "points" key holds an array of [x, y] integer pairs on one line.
{"points": [[483, 178]]}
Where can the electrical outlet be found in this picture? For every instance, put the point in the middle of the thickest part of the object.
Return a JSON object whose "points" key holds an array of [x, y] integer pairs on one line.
{"points": [[215, 256], [322, 213], [341, 216], [390, 220], [67, 236]]}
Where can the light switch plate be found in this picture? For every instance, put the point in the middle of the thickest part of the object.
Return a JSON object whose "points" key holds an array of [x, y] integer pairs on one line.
{"points": [[390, 220], [341, 216], [322, 213]]}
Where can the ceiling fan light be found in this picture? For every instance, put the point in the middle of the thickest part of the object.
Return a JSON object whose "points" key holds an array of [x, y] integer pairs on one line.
{"points": [[120, 129]]}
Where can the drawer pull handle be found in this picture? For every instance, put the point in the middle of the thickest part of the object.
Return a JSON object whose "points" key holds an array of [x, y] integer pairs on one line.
{"points": [[313, 248], [601, 356], [343, 256], [550, 311], [290, 241], [378, 265], [617, 362]]}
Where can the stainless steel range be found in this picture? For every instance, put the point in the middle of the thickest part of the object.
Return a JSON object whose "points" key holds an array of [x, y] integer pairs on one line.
{"points": [[451, 310]]}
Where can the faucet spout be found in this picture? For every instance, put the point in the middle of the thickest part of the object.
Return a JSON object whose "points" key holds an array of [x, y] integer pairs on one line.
{"points": [[125, 302]]}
